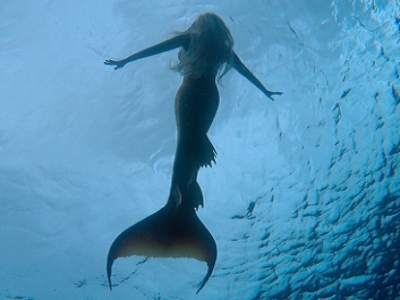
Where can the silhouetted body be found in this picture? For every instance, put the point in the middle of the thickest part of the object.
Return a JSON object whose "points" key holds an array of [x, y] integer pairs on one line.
{"points": [[196, 104], [206, 49]]}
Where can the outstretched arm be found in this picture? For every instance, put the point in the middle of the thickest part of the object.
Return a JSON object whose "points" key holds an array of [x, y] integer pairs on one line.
{"points": [[242, 69], [175, 42]]}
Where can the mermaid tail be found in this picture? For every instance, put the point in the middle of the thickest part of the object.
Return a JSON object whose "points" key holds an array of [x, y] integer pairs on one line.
{"points": [[170, 232]]}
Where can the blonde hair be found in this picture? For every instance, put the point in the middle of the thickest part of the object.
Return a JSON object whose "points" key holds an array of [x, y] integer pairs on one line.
{"points": [[210, 48]]}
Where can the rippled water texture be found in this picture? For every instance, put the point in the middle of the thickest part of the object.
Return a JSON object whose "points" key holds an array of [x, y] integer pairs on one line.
{"points": [[304, 201]]}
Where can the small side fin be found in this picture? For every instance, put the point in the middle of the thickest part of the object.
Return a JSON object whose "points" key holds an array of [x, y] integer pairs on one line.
{"points": [[243, 70], [206, 152]]}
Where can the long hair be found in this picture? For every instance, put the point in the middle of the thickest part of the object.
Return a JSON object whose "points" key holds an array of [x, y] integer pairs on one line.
{"points": [[210, 48]]}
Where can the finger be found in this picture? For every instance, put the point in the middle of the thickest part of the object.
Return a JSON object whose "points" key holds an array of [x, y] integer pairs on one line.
{"points": [[109, 62]]}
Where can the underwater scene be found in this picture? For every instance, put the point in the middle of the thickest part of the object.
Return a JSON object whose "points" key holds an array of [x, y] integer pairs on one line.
{"points": [[252, 153]]}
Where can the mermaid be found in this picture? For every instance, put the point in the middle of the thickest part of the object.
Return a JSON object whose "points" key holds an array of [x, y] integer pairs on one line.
{"points": [[206, 51]]}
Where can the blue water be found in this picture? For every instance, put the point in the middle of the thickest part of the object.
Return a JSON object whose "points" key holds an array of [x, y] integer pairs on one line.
{"points": [[304, 201]]}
